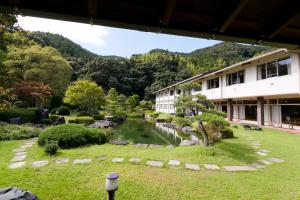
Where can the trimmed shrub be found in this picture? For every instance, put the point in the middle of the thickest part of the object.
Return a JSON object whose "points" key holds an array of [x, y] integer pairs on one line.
{"points": [[47, 121], [53, 118], [72, 135], [62, 110], [26, 114], [51, 147], [84, 120], [17, 132], [227, 132], [179, 114]]}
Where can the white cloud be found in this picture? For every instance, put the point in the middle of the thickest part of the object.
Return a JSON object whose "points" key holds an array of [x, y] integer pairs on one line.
{"points": [[84, 34]]}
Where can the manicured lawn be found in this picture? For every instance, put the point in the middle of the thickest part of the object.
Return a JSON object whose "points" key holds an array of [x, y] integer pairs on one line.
{"points": [[68, 181]]}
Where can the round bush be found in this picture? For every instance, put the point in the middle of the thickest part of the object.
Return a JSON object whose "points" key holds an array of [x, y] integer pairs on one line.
{"points": [[62, 110], [84, 120], [51, 147], [17, 132], [72, 135], [227, 132]]}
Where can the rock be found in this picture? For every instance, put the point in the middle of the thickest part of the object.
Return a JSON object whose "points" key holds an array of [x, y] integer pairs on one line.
{"points": [[21, 153], [62, 160], [19, 150], [239, 168], [187, 142], [26, 145], [16, 165], [174, 162], [16, 194], [18, 158], [40, 163], [141, 145], [265, 162], [192, 167], [187, 129], [16, 120], [82, 161], [275, 160], [117, 160], [257, 165], [261, 153], [211, 166], [59, 120], [119, 142], [135, 160], [153, 163]]}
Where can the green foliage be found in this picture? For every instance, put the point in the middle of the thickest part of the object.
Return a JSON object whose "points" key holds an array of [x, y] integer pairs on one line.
{"points": [[7, 98], [28, 115], [153, 114], [72, 135], [17, 132], [227, 132], [84, 120], [53, 117], [146, 105], [214, 120], [179, 114], [85, 94], [133, 101], [62, 110], [55, 102], [136, 114], [181, 121], [51, 147], [47, 121]]}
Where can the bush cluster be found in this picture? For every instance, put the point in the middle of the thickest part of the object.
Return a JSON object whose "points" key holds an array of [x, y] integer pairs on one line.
{"points": [[72, 135], [96, 115], [17, 132], [28, 115], [82, 120], [51, 147], [227, 132], [53, 118]]}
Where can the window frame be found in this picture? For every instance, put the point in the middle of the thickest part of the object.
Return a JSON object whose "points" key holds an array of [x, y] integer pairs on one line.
{"points": [[229, 78], [265, 67], [214, 85]]}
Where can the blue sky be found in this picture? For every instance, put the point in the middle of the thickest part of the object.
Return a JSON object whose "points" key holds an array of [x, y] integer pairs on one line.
{"points": [[114, 41]]}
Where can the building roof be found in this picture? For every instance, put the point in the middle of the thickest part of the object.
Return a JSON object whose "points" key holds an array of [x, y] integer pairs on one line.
{"points": [[218, 71], [266, 22]]}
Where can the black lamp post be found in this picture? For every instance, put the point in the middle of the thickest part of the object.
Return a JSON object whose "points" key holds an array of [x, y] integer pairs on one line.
{"points": [[111, 185]]}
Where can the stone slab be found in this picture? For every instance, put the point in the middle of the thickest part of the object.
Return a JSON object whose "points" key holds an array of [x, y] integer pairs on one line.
{"points": [[18, 158], [16, 165], [26, 146], [117, 160], [135, 160], [192, 166], [62, 160], [257, 165], [265, 162], [141, 145], [264, 151], [40, 163], [119, 142], [261, 153], [154, 163], [19, 150], [82, 161], [211, 166], [239, 168], [174, 162], [21, 153], [155, 146], [102, 157], [275, 160]]}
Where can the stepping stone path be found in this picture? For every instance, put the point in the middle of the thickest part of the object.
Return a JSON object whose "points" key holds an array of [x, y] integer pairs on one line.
{"points": [[117, 160], [174, 162], [18, 160], [135, 160], [211, 166], [62, 160], [239, 168], [17, 165], [265, 162], [275, 160], [261, 153], [192, 167], [257, 165], [40, 163], [82, 161], [153, 163]]}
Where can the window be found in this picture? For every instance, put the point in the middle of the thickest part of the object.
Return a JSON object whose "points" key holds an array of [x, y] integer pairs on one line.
{"points": [[276, 68], [235, 78], [178, 91], [213, 83], [171, 92]]}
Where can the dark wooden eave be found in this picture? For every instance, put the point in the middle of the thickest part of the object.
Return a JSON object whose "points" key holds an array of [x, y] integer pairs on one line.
{"points": [[267, 22]]}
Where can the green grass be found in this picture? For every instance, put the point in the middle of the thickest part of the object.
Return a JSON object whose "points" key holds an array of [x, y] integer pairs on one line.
{"points": [[68, 181]]}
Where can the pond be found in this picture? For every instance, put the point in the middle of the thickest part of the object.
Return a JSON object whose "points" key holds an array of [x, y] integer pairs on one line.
{"points": [[141, 131]]}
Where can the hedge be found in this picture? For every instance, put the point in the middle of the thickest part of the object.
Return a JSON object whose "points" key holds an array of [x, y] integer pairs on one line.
{"points": [[28, 115], [72, 135], [17, 132]]}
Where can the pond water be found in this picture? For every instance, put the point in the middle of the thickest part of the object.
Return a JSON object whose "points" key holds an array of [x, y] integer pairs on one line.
{"points": [[141, 131]]}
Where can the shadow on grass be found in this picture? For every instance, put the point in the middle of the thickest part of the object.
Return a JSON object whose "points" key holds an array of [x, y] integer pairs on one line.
{"points": [[238, 151]]}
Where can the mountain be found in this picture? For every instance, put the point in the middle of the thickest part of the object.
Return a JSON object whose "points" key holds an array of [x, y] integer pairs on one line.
{"points": [[145, 73]]}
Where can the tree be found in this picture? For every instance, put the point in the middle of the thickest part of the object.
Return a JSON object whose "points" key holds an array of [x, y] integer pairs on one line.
{"points": [[202, 110], [112, 101], [32, 92], [31, 62], [85, 94], [133, 101], [146, 105], [6, 98]]}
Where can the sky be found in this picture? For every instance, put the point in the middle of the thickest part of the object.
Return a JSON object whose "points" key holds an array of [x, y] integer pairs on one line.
{"points": [[104, 40]]}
